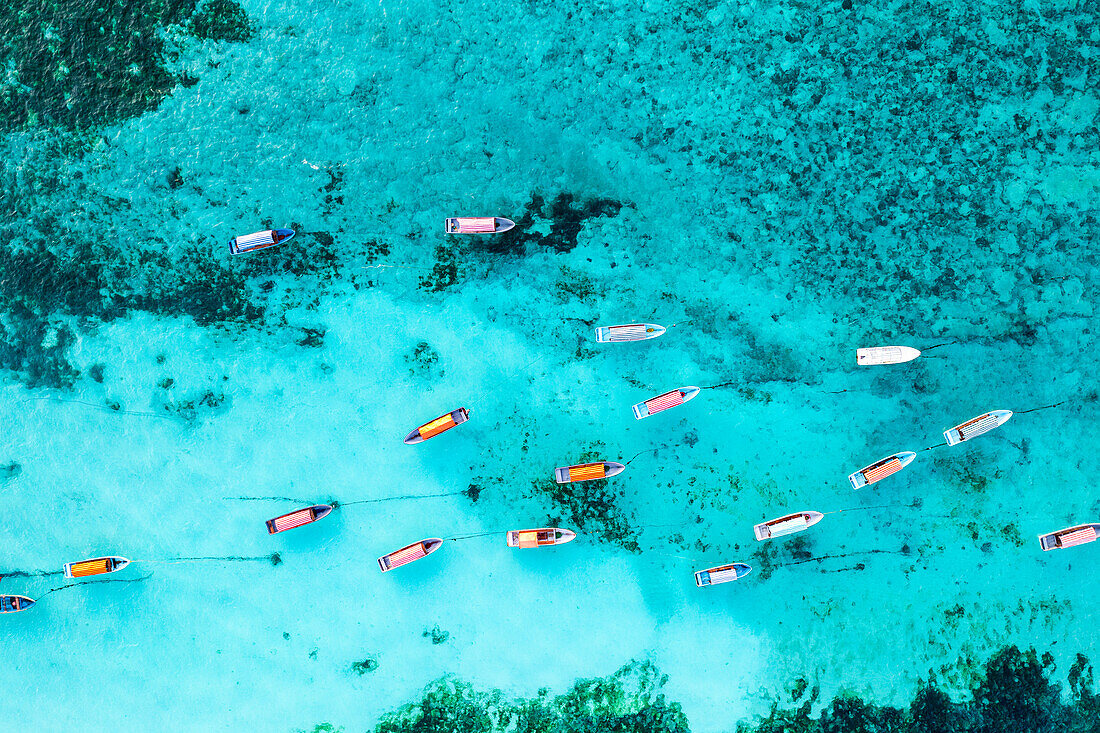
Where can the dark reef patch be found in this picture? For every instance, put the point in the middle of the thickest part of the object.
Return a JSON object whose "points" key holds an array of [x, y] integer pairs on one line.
{"points": [[437, 635], [567, 216], [78, 64]]}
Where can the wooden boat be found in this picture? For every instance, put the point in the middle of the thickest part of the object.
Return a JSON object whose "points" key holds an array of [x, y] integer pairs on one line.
{"points": [[663, 402], [976, 426], [478, 225], [630, 332], [787, 525], [524, 538], [297, 518], [587, 471], [885, 355], [15, 604], [259, 240], [881, 469], [406, 555], [437, 426], [722, 574], [1071, 537], [98, 566]]}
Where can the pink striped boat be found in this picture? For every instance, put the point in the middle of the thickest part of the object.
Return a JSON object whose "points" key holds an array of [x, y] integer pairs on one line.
{"points": [[1071, 537], [259, 240], [406, 555], [976, 426], [663, 402], [296, 519], [881, 469], [478, 225], [630, 332]]}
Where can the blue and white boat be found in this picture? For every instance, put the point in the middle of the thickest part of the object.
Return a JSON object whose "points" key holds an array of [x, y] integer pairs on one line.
{"points": [[259, 240], [722, 574]]}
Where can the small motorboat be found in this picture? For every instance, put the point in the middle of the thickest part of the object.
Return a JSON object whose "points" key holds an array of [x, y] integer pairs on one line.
{"points": [[881, 469], [15, 604], [406, 555], [664, 402], [259, 240], [98, 566], [298, 518], [885, 355], [524, 538], [722, 574], [787, 525], [437, 426], [1071, 537], [587, 471], [631, 332], [975, 427], [478, 225]]}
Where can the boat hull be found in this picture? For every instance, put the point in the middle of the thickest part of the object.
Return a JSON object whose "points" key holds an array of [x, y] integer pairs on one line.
{"points": [[790, 524], [454, 225], [587, 471], [95, 566], [881, 469], [1070, 537], [722, 574], [974, 427], [875, 355], [643, 410], [543, 537], [254, 242], [298, 518], [409, 553], [439, 425], [629, 332], [15, 604]]}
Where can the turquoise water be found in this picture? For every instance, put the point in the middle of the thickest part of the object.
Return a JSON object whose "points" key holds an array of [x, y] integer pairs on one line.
{"points": [[788, 182]]}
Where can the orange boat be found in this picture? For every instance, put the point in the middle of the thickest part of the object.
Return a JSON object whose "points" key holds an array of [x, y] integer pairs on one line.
{"points": [[437, 426], [98, 566], [527, 538], [408, 554], [587, 471]]}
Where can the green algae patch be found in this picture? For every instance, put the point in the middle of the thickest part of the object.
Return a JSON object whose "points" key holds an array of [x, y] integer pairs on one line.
{"points": [[78, 64], [437, 635], [629, 701]]}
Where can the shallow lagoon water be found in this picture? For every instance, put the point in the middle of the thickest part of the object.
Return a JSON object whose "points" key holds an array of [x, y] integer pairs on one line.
{"points": [[795, 182]]}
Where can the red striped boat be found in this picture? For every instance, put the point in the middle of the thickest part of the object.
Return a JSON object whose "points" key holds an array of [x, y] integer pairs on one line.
{"points": [[259, 240], [15, 604], [786, 525], [881, 469], [439, 425], [629, 332], [663, 402], [1071, 537], [478, 225], [529, 538], [587, 471], [98, 566], [406, 555], [976, 426], [297, 518]]}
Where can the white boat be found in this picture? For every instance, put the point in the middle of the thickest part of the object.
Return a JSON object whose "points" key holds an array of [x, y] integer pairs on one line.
{"points": [[478, 225], [722, 574], [98, 566], [885, 355], [663, 402], [544, 537], [587, 471], [881, 469], [1071, 537], [629, 332], [976, 426], [786, 525]]}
